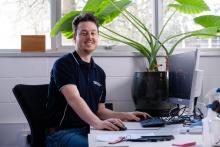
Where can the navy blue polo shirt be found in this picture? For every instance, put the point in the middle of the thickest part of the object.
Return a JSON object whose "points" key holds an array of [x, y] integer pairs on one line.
{"points": [[90, 81]]}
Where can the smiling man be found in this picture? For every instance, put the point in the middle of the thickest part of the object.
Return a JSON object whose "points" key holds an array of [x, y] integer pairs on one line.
{"points": [[77, 92]]}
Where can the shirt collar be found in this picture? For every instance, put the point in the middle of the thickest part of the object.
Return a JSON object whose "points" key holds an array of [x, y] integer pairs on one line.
{"points": [[81, 62]]}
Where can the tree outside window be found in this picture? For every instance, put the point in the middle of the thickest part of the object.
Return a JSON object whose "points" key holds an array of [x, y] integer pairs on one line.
{"points": [[23, 17]]}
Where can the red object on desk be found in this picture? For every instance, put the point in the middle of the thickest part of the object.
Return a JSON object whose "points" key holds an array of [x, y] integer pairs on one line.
{"points": [[189, 144], [120, 139]]}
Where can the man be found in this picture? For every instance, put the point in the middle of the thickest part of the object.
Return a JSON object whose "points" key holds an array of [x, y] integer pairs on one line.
{"points": [[77, 92]]}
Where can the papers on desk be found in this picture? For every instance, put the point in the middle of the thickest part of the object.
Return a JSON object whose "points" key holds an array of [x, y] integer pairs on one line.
{"points": [[112, 137]]}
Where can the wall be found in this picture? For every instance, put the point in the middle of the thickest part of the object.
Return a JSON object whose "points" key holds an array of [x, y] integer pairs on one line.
{"points": [[36, 69]]}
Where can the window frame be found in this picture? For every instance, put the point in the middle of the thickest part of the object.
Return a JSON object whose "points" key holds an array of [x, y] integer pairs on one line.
{"points": [[55, 15]]}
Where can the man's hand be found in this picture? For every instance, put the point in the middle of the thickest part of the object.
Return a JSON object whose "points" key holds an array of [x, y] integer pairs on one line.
{"points": [[136, 116], [112, 124]]}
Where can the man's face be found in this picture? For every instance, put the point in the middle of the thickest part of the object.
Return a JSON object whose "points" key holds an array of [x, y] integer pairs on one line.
{"points": [[86, 37]]}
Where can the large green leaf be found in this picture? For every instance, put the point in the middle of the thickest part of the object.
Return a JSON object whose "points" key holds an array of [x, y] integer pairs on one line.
{"points": [[208, 20], [64, 24], [207, 32], [111, 10], [68, 34], [93, 5], [190, 6]]}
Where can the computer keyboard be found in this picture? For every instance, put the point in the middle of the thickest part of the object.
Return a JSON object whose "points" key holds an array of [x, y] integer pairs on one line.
{"points": [[153, 122]]}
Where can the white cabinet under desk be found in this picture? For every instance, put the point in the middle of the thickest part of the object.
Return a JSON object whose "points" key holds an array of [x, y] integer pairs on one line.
{"points": [[97, 137]]}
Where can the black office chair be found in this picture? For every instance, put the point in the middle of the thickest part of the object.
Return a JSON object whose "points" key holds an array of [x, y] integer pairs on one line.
{"points": [[32, 100]]}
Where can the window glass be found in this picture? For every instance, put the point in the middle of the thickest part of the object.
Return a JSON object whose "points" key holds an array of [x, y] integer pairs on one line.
{"points": [[30, 17], [183, 23], [140, 8], [23, 17]]}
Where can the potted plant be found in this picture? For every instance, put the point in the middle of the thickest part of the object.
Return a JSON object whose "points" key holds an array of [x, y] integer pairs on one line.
{"points": [[107, 10]]}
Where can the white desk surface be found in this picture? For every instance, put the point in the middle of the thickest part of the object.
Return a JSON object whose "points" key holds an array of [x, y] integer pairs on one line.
{"points": [[135, 128]]}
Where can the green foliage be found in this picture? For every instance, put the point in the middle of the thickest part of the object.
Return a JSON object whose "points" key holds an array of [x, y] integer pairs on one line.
{"points": [[208, 21], [104, 10], [64, 25], [190, 6], [107, 10]]}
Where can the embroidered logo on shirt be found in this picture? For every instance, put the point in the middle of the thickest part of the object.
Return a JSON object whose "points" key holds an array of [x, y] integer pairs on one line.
{"points": [[97, 83]]}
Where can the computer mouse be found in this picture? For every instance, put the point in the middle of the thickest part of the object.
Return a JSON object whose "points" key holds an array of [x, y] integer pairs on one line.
{"points": [[122, 128]]}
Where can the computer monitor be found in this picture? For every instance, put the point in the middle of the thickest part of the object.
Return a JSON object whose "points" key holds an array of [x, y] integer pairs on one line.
{"points": [[185, 78]]}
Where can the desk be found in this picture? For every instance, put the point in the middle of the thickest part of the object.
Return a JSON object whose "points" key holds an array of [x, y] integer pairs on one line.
{"points": [[135, 128]]}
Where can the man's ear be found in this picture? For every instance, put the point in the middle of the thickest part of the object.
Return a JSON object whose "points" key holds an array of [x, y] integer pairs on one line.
{"points": [[74, 35]]}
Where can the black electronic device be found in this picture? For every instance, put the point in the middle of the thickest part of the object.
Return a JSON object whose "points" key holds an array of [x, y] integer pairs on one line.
{"points": [[185, 79], [153, 138], [216, 106], [152, 122], [122, 128]]}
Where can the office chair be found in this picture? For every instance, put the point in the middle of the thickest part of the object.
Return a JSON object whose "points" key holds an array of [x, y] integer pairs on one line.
{"points": [[32, 100]]}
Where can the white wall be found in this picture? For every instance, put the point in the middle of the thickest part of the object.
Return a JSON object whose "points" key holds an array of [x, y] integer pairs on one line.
{"points": [[35, 70]]}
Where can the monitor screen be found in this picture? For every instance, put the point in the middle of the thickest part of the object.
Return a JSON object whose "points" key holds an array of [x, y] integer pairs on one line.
{"points": [[182, 70]]}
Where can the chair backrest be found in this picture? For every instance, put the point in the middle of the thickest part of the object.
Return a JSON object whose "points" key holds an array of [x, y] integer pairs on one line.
{"points": [[32, 100]]}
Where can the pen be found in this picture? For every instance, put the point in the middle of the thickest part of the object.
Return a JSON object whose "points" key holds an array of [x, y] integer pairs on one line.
{"points": [[120, 139], [189, 144]]}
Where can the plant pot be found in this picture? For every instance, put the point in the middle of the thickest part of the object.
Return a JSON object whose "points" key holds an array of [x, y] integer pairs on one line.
{"points": [[150, 92]]}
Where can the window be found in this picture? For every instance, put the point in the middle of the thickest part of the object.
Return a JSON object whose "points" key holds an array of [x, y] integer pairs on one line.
{"points": [[144, 9], [23, 17], [183, 23], [29, 17]]}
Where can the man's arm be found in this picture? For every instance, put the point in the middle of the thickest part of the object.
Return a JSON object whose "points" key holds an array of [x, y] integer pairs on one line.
{"points": [[104, 113], [78, 104]]}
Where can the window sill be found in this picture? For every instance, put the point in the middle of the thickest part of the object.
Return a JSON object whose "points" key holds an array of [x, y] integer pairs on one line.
{"points": [[106, 53], [30, 54], [16, 53]]}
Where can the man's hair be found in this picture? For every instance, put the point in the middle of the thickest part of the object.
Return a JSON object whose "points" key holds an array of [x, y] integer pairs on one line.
{"points": [[84, 17]]}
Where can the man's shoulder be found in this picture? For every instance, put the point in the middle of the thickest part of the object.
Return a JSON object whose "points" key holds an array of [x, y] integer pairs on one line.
{"points": [[65, 59], [66, 62]]}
